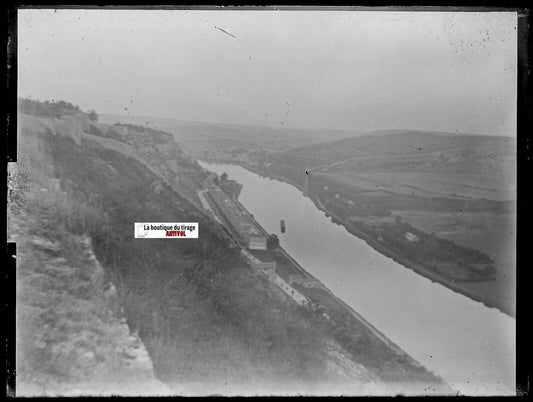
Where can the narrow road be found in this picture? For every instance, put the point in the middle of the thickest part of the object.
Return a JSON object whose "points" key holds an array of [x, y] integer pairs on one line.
{"points": [[207, 206]]}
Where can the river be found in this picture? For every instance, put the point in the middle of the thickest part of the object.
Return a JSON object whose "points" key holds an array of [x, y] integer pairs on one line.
{"points": [[471, 346]]}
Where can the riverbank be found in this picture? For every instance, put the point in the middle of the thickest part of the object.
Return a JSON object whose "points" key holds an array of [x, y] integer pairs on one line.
{"points": [[380, 247]]}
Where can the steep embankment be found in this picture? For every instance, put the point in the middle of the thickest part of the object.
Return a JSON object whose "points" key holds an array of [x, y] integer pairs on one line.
{"points": [[208, 323], [72, 335]]}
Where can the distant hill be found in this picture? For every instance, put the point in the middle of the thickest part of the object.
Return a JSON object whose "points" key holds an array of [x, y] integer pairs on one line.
{"points": [[197, 136], [203, 137], [449, 164], [398, 142], [401, 131]]}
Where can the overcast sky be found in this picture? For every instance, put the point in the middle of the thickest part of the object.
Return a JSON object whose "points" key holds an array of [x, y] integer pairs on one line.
{"points": [[322, 69]]}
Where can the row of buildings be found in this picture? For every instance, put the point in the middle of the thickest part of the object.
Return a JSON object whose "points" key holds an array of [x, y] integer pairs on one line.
{"points": [[251, 237], [240, 221]]}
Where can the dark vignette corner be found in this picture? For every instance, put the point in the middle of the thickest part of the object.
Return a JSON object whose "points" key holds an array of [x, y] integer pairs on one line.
{"points": [[9, 149], [524, 143]]}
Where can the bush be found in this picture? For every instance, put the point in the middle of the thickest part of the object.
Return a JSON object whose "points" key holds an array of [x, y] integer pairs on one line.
{"points": [[54, 109], [92, 115]]}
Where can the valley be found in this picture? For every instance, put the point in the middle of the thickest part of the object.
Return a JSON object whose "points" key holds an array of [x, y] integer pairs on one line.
{"points": [[454, 193]]}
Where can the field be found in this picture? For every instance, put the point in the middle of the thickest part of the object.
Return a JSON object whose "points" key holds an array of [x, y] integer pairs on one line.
{"points": [[490, 233], [428, 184], [493, 234]]}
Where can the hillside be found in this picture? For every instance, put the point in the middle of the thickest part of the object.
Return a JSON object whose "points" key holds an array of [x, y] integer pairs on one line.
{"points": [[417, 163], [206, 321]]}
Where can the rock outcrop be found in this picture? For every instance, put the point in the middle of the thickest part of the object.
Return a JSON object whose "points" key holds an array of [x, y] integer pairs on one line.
{"points": [[72, 337]]}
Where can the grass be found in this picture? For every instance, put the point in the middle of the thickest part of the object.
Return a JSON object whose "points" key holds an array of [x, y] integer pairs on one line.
{"points": [[63, 313], [201, 313]]}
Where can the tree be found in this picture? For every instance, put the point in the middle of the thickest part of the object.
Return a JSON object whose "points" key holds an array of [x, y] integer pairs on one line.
{"points": [[93, 116]]}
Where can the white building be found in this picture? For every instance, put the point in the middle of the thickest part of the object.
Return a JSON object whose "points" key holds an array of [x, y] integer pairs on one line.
{"points": [[411, 237], [257, 242]]}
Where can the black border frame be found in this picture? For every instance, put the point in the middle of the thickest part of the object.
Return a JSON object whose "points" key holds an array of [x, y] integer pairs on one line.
{"points": [[524, 152]]}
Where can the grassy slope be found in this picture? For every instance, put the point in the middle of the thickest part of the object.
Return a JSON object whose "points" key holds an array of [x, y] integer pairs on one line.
{"points": [[200, 300], [199, 136]]}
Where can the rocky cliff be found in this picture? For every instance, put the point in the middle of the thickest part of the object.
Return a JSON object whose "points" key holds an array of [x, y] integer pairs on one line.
{"points": [[72, 335]]}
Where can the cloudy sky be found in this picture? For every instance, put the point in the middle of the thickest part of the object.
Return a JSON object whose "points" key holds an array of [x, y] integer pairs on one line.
{"points": [[322, 69]]}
